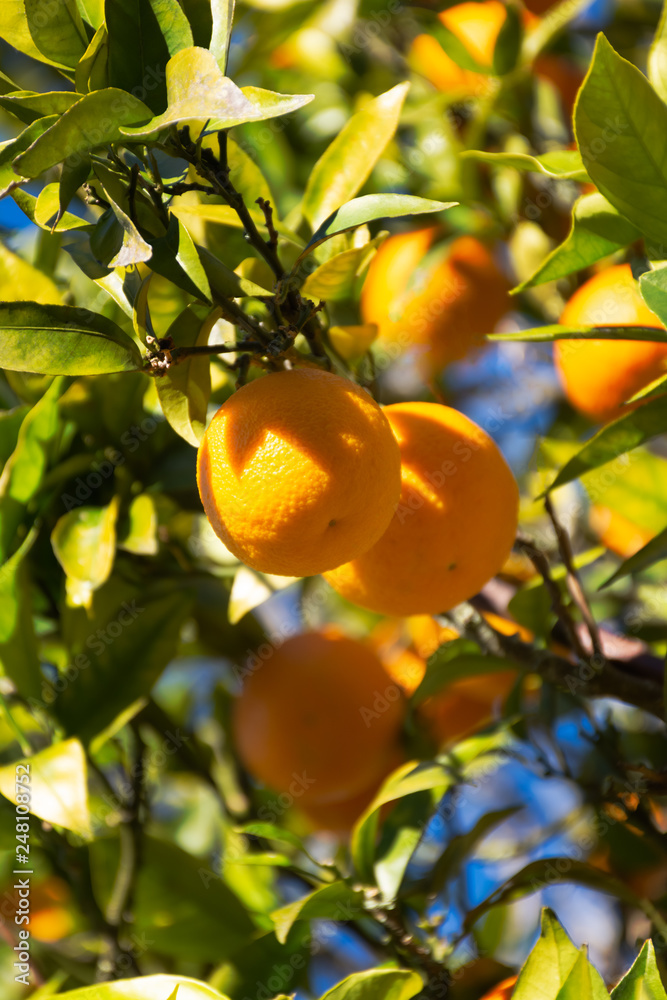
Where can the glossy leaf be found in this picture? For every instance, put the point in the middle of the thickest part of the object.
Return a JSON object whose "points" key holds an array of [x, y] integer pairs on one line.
{"points": [[140, 636], [642, 981], [566, 164], [377, 984], [198, 91], [176, 257], [597, 231], [58, 785], [15, 29], [84, 543], [18, 646], [29, 107], [549, 963], [653, 288], [649, 554], [158, 987], [411, 777], [92, 71], [10, 178], [336, 901], [545, 334], [143, 34], [347, 163], [184, 389], [335, 279], [92, 11], [222, 12], [621, 130], [58, 33], [93, 121], [44, 210], [617, 438], [368, 208], [62, 340], [584, 982]]}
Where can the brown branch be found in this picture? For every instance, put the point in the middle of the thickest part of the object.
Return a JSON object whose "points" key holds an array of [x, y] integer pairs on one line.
{"points": [[573, 581]]}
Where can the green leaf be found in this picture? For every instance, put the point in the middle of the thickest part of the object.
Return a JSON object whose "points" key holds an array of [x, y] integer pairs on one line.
{"points": [[537, 875], [138, 533], [617, 438], [508, 43], [92, 122], [653, 288], [18, 646], [15, 29], [454, 661], [58, 31], [62, 340], [139, 638], [84, 543], [642, 981], [584, 982], [72, 177], [58, 785], [176, 257], [649, 554], [246, 175], [368, 208], [143, 34], [409, 778], [346, 164], [549, 963], [225, 215], [336, 901], [621, 130], [25, 468], [597, 231], [190, 916], [43, 210], [377, 984], [184, 389], [566, 164], [92, 72], [159, 987], [335, 279], [20, 280], [222, 15], [198, 91], [657, 57], [92, 11], [545, 334], [129, 247], [9, 177], [28, 106]]}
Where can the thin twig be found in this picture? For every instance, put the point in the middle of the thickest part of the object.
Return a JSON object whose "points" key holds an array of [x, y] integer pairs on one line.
{"points": [[574, 585], [268, 216], [541, 564]]}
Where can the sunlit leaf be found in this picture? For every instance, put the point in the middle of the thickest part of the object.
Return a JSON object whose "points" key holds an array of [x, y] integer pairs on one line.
{"points": [[642, 981], [138, 533], [248, 592], [549, 963], [59, 34], [335, 279], [28, 106], [377, 984], [353, 341], [185, 388], [58, 785], [546, 334], [18, 646], [84, 543], [62, 340], [159, 987], [198, 91], [621, 130], [222, 16], [657, 57], [93, 121], [653, 288], [336, 901], [565, 164], [20, 280], [347, 163]]}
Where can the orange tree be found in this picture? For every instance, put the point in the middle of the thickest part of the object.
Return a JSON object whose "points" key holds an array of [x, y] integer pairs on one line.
{"points": [[218, 368]]}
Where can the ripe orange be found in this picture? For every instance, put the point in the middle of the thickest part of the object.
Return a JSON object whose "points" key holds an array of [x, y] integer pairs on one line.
{"points": [[447, 304], [428, 58], [319, 719], [464, 705], [477, 26], [454, 525], [617, 532], [298, 471], [599, 376]]}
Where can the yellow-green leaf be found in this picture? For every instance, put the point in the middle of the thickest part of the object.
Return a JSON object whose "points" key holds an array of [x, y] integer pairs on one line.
{"points": [[58, 785]]}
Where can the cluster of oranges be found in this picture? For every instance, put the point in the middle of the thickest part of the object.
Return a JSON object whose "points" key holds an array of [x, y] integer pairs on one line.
{"points": [[406, 510]]}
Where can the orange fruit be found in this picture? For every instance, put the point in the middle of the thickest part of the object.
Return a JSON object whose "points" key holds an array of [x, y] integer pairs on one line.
{"points": [[428, 58], [466, 705], [617, 532], [298, 471], [599, 376], [446, 304], [319, 719], [455, 523], [502, 991], [477, 26]]}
